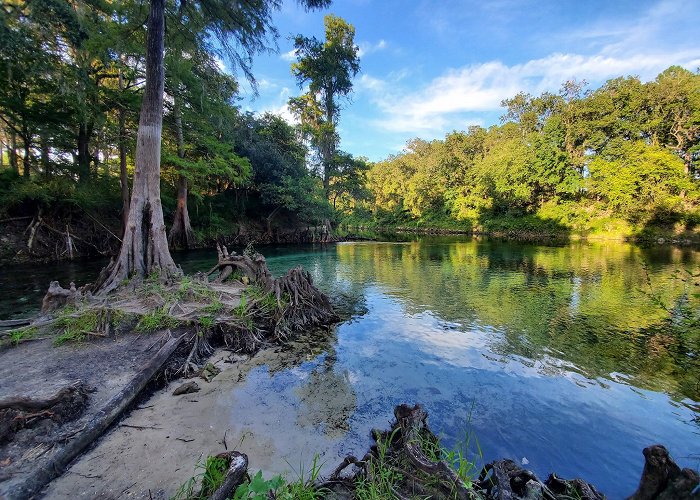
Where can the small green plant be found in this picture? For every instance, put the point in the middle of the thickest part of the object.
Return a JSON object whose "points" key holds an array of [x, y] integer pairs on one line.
{"points": [[259, 488], [213, 307], [303, 487], [458, 458], [22, 334], [209, 474], [381, 481], [152, 285], [206, 321], [156, 320], [75, 325], [242, 308]]}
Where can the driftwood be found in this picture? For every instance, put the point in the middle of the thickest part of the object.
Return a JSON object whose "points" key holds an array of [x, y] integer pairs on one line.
{"points": [[9, 323], [663, 479], [53, 467], [237, 469], [19, 412]]}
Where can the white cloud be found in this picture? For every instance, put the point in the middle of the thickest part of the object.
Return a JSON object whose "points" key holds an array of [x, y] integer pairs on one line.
{"points": [[642, 46], [481, 87], [289, 56], [365, 48], [280, 107]]}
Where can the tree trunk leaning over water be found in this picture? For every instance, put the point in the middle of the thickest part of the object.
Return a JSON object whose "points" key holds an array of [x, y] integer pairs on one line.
{"points": [[144, 247]]}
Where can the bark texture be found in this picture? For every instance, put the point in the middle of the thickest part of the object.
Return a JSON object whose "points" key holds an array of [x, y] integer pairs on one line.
{"points": [[144, 247], [123, 177], [181, 234]]}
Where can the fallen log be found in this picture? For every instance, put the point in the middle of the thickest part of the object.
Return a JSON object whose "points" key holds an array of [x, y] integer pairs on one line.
{"points": [[26, 403], [8, 323], [55, 465], [237, 468]]}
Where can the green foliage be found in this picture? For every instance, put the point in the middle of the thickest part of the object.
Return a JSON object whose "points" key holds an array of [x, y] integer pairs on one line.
{"points": [[21, 334], [641, 182], [327, 67], [619, 161], [70, 110], [206, 321], [383, 477], [259, 488], [211, 475], [156, 319], [75, 325]]}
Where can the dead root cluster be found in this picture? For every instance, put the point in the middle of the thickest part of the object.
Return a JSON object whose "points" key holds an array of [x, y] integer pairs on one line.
{"points": [[238, 304]]}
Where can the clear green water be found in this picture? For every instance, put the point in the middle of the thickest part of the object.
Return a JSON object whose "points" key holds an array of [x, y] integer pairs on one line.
{"points": [[573, 357]]}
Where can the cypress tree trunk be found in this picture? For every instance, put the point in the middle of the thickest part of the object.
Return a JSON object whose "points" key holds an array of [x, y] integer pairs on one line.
{"points": [[27, 163], [123, 177], [83, 153], [144, 247], [181, 234], [45, 162], [13, 152]]}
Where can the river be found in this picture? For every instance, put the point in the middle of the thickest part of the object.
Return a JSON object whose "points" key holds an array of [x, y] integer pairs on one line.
{"points": [[567, 358]]}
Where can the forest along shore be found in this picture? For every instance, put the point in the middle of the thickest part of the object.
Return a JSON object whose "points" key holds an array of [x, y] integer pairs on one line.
{"points": [[54, 236], [73, 371]]}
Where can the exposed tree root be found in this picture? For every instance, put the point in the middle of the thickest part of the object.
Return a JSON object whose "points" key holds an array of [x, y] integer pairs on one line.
{"points": [[20, 412], [300, 303], [400, 455]]}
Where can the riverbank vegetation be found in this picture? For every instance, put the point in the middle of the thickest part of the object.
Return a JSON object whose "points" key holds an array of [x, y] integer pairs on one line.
{"points": [[69, 116], [619, 161]]}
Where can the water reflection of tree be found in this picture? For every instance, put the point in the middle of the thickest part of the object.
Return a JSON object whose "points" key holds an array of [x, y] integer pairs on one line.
{"points": [[582, 303], [328, 399]]}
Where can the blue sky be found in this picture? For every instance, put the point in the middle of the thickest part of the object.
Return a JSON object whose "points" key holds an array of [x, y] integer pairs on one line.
{"points": [[430, 67]]}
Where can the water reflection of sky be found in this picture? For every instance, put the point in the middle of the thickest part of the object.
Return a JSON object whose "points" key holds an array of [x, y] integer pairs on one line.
{"points": [[523, 402], [554, 417]]}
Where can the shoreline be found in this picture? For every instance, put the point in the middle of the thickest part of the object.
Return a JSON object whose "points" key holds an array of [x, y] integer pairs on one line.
{"points": [[526, 236]]}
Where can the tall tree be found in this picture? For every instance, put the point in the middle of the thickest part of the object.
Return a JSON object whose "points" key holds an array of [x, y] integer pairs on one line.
{"points": [[328, 67], [241, 32], [144, 247]]}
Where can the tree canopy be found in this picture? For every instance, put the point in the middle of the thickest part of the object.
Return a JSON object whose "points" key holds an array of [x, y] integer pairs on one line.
{"points": [[627, 153]]}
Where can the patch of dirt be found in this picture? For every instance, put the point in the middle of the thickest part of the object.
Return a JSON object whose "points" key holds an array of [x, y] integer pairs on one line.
{"points": [[39, 370]]}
